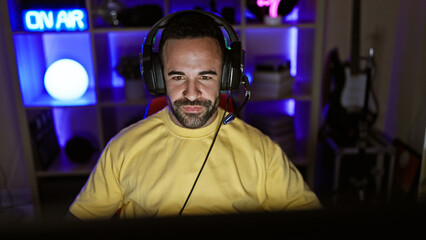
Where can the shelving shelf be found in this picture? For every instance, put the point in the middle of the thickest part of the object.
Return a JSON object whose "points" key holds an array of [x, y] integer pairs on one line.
{"points": [[301, 98], [119, 29], [106, 109], [299, 25], [62, 166]]}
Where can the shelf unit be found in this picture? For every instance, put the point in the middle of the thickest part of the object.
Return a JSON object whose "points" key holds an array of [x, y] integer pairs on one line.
{"points": [[104, 110]]}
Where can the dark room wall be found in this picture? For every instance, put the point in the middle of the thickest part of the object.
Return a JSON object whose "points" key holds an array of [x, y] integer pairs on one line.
{"points": [[13, 172], [396, 29]]}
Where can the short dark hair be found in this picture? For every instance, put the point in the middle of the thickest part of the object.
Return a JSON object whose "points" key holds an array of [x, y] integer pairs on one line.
{"points": [[192, 25]]}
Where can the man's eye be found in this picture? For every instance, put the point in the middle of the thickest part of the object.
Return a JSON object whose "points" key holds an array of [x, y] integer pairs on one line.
{"points": [[177, 78], [205, 77]]}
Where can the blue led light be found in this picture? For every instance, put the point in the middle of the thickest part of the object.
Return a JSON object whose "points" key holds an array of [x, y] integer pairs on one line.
{"points": [[288, 106], [293, 15], [249, 76], [55, 20], [293, 40]]}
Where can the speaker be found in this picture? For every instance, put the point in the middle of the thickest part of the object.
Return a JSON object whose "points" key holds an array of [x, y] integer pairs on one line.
{"points": [[79, 149], [150, 62]]}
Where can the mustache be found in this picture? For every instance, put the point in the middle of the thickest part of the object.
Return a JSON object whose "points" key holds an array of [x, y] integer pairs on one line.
{"points": [[181, 102]]}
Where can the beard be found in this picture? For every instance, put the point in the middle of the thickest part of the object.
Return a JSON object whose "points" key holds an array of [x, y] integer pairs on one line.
{"points": [[194, 120]]}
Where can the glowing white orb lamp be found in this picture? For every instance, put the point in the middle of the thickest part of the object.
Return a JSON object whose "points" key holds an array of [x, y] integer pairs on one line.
{"points": [[66, 79]]}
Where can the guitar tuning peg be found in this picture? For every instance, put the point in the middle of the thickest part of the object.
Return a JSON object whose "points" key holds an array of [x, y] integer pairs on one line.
{"points": [[370, 52]]}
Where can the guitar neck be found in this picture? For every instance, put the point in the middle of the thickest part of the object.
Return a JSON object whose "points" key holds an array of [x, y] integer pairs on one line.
{"points": [[355, 56]]}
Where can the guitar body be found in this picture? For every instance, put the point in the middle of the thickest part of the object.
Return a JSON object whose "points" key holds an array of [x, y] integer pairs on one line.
{"points": [[340, 123], [347, 93]]}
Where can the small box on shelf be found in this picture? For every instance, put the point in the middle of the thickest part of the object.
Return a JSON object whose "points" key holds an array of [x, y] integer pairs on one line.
{"points": [[272, 80]]}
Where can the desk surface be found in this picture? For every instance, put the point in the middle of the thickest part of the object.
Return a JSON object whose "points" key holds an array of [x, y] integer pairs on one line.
{"points": [[356, 223]]}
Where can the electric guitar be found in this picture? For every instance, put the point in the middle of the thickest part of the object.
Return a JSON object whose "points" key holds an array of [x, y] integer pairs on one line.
{"points": [[348, 98]]}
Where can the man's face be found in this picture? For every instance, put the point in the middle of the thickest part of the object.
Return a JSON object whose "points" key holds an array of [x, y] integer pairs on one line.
{"points": [[192, 72]]}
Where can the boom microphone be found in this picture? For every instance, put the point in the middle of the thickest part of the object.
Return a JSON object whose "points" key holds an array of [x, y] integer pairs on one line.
{"points": [[247, 93]]}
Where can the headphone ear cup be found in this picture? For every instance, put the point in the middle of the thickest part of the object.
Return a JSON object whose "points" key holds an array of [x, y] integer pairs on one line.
{"points": [[236, 64], [158, 71], [147, 73], [226, 72], [153, 74]]}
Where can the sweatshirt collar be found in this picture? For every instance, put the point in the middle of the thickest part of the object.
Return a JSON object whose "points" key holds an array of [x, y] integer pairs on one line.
{"points": [[192, 133]]}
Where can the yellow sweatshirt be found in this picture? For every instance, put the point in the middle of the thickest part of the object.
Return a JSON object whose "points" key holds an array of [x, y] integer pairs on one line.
{"points": [[148, 169]]}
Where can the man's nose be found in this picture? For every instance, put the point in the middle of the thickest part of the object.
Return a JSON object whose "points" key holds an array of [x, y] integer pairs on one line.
{"points": [[192, 91]]}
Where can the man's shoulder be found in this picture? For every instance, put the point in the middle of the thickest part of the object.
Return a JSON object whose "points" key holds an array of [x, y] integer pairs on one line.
{"points": [[243, 129]]}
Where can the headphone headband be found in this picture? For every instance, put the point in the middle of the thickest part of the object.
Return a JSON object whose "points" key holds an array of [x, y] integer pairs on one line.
{"points": [[219, 21]]}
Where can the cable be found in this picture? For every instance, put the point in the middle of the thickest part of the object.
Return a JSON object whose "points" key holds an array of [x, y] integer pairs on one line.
{"points": [[207, 156]]}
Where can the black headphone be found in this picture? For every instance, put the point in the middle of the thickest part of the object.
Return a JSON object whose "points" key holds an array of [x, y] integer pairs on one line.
{"points": [[150, 63]]}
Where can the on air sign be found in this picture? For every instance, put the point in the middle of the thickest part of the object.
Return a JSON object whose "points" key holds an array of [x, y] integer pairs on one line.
{"points": [[55, 20]]}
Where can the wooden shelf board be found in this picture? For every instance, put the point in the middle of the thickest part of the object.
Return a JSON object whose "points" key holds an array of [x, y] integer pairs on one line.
{"points": [[63, 166]]}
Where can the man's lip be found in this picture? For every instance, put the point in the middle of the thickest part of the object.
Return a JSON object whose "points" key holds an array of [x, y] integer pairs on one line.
{"points": [[192, 108]]}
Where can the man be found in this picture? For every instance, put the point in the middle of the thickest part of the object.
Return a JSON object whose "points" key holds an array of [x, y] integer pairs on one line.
{"points": [[163, 166]]}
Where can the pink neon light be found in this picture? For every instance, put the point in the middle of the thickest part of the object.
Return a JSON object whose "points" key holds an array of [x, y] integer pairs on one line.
{"points": [[272, 4], [263, 3]]}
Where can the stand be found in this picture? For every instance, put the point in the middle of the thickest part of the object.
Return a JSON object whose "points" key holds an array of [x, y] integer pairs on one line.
{"points": [[376, 144]]}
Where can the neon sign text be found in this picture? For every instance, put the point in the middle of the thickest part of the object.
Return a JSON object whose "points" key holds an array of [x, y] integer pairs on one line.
{"points": [[55, 20], [272, 4]]}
